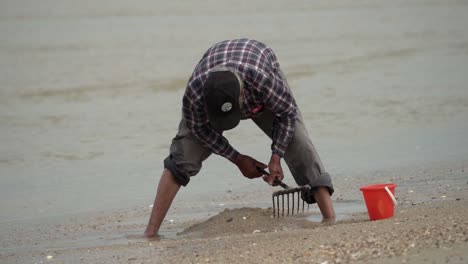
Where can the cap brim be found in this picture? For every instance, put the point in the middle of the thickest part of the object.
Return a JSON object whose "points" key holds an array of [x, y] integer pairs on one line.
{"points": [[226, 121]]}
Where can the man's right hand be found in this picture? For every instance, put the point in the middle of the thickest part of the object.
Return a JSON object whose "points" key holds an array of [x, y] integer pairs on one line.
{"points": [[248, 166]]}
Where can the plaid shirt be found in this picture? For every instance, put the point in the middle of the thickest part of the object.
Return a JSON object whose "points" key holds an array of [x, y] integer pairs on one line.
{"points": [[263, 87]]}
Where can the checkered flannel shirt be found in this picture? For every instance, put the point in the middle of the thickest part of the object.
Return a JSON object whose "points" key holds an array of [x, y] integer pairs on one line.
{"points": [[263, 86]]}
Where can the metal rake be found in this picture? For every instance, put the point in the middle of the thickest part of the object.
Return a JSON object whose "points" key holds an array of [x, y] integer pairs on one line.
{"points": [[288, 191]]}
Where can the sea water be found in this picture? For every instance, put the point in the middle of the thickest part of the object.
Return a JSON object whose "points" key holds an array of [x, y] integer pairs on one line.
{"points": [[90, 94]]}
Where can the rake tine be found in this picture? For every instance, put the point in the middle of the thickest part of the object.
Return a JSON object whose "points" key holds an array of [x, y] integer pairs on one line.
{"points": [[282, 205], [292, 211], [298, 194], [292, 208], [287, 197], [277, 203], [273, 198]]}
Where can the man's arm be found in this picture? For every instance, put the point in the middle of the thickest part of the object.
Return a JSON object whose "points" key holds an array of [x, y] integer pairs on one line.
{"points": [[279, 100], [197, 120]]}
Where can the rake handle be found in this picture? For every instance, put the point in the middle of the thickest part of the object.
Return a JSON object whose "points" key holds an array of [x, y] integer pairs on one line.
{"points": [[282, 184], [277, 182]]}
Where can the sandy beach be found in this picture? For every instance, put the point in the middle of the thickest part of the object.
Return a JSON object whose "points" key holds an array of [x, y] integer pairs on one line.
{"points": [[430, 226], [90, 98]]}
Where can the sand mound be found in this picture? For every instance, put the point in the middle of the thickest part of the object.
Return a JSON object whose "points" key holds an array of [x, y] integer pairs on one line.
{"points": [[244, 221]]}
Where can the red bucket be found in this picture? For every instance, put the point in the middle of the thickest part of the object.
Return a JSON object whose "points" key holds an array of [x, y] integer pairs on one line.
{"points": [[380, 200]]}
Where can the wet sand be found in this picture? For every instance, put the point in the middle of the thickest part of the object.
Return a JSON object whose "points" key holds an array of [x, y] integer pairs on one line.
{"points": [[90, 97]]}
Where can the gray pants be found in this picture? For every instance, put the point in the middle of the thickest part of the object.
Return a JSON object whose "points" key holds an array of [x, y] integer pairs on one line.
{"points": [[187, 155]]}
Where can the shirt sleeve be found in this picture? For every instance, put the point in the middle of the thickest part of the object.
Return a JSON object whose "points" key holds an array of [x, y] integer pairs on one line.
{"points": [[196, 117], [280, 101]]}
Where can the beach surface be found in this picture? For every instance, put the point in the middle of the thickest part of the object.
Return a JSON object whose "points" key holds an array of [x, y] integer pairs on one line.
{"points": [[90, 98], [429, 226]]}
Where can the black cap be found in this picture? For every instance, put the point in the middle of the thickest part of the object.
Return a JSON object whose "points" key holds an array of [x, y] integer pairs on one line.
{"points": [[221, 93]]}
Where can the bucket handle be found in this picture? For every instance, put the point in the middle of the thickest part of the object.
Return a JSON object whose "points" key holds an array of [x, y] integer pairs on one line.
{"points": [[391, 195]]}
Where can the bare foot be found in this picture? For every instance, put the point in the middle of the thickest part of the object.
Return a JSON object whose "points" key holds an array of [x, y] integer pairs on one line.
{"points": [[152, 236], [143, 236], [328, 221]]}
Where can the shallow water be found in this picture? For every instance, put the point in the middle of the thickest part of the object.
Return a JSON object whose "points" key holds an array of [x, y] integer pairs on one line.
{"points": [[90, 95], [345, 211]]}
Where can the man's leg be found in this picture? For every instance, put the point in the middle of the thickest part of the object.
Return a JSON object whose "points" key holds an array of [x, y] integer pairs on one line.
{"points": [[167, 190], [185, 160], [325, 204], [305, 165]]}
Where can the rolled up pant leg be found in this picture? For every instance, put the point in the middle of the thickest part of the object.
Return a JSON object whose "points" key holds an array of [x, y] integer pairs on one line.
{"points": [[300, 156], [186, 155]]}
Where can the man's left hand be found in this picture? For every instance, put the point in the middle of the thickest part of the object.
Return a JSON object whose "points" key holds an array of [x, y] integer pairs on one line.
{"points": [[276, 171]]}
